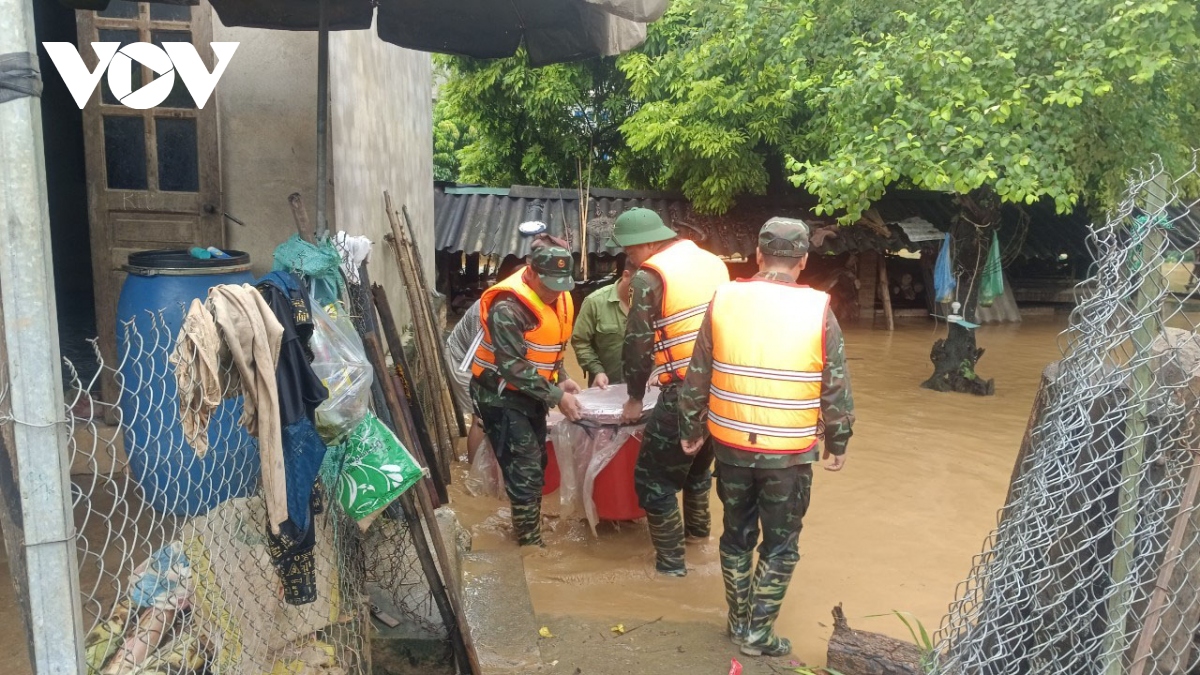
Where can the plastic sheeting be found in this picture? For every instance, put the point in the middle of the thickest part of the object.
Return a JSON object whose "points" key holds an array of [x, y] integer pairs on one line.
{"points": [[584, 450]]}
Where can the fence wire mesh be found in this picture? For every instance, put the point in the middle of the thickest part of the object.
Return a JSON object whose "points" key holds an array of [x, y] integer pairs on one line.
{"points": [[176, 568], [1094, 567]]}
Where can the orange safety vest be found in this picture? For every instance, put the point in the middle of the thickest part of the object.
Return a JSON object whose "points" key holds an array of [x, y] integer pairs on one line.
{"points": [[545, 344], [768, 358], [690, 276]]}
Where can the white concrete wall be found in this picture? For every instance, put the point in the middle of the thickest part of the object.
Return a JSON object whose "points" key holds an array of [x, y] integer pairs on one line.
{"points": [[382, 122], [268, 122]]}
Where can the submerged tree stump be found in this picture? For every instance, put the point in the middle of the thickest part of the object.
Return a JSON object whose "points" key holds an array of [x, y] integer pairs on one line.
{"points": [[857, 652]]}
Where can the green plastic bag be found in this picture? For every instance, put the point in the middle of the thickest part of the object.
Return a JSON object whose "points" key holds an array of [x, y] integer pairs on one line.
{"points": [[991, 285], [375, 469]]}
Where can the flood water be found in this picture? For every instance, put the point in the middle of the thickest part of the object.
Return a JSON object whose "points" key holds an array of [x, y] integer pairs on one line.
{"points": [[896, 530]]}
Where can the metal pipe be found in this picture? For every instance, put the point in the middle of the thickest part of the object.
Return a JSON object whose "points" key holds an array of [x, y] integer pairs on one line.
{"points": [[34, 387], [322, 118]]}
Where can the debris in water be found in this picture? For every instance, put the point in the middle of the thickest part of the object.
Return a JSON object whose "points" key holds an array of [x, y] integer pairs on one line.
{"points": [[545, 632], [619, 629], [735, 668]]}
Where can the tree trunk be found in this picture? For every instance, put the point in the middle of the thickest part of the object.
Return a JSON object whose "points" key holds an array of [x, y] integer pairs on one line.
{"points": [[954, 358]]}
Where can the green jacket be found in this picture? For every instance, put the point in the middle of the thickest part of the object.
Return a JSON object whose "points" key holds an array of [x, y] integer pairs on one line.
{"points": [[837, 402], [599, 335]]}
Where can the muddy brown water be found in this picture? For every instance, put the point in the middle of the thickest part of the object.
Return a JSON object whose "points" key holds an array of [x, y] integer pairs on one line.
{"points": [[896, 530]]}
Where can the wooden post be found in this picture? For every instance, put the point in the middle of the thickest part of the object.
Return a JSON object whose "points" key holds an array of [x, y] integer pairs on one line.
{"points": [[300, 215], [412, 411], [886, 289], [1136, 428]]}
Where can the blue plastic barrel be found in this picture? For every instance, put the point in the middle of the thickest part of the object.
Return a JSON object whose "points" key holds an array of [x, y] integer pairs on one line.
{"points": [[154, 300]]}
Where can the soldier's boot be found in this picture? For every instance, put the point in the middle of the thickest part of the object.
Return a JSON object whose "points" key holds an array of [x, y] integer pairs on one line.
{"points": [[527, 523], [735, 570], [697, 521], [770, 583], [666, 533]]}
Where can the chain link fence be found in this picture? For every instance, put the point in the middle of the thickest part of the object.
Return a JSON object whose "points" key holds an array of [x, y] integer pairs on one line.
{"points": [[1094, 567], [177, 572]]}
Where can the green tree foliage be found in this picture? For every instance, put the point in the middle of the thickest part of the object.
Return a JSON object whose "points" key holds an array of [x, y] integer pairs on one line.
{"points": [[538, 125], [1023, 100], [725, 88], [449, 138]]}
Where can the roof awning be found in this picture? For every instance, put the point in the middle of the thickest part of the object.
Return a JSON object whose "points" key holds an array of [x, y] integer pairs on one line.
{"points": [[552, 30]]}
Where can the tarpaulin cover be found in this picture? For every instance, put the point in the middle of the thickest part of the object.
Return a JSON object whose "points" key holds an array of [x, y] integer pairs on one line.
{"points": [[584, 450]]}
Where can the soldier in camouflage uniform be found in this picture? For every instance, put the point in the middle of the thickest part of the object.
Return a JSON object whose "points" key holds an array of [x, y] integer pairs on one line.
{"points": [[771, 487], [663, 470], [512, 397]]}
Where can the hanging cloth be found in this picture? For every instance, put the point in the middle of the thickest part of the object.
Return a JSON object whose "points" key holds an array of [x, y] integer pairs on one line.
{"points": [[991, 285], [319, 265], [943, 273]]}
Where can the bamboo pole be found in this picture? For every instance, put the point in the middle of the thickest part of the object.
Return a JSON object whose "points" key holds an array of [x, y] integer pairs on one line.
{"points": [[439, 354], [430, 379]]}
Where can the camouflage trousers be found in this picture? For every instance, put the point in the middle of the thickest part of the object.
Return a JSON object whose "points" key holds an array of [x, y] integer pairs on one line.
{"points": [[519, 441], [662, 471], [778, 499]]}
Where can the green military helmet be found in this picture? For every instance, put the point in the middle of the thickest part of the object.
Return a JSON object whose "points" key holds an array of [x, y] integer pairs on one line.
{"points": [[639, 226], [555, 267]]}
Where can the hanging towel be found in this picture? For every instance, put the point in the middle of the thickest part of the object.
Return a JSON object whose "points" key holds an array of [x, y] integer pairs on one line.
{"points": [[197, 374], [991, 283], [943, 273], [252, 337]]}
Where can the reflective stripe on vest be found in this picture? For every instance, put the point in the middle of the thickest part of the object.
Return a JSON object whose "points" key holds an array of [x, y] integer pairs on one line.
{"points": [[545, 344], [768, 359], [690, 275]]}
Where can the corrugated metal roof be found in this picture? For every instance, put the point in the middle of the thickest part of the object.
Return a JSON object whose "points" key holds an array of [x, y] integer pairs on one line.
{"points": [[484, 220]]}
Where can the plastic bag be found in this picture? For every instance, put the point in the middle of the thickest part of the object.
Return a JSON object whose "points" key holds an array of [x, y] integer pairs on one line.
{"points": [[943, 273], [485, 477], [341, 362], [991, 283], [376, 469]]}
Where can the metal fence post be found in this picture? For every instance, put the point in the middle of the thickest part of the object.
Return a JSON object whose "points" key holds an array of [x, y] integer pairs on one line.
{"points": [[34, 386]]}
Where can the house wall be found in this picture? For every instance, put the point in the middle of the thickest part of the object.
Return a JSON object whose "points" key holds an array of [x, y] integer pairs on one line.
{"points": [[381, 138], [382, 123], [268, 124]]}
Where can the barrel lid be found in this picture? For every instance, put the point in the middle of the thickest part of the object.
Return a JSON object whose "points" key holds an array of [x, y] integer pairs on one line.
{"points": [[179, 262]]}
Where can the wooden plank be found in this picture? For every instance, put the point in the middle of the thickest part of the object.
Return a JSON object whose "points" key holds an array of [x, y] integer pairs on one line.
{"points": [[868, 284]]}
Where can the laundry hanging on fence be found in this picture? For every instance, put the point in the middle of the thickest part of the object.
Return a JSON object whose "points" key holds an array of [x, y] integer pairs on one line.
{"points": [[197, 375], [991, 283], [253, 338], [943, 273]]}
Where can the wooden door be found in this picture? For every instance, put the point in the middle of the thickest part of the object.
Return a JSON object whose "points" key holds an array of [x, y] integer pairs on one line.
{"points": [[153, 175]]}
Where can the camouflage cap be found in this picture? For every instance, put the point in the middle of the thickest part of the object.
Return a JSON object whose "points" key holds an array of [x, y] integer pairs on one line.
{"points": [[784, 238], [555, 267]]}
